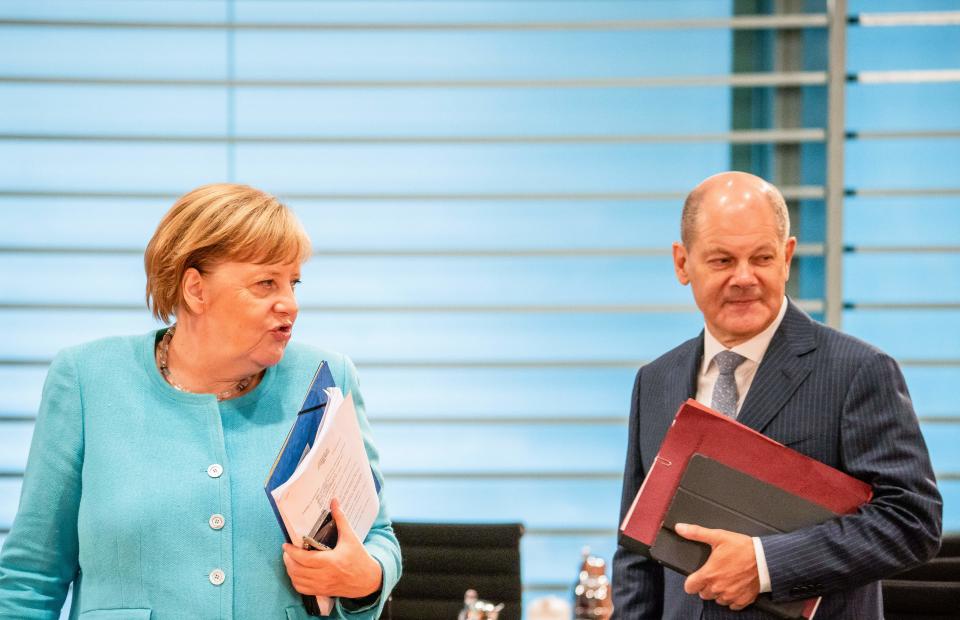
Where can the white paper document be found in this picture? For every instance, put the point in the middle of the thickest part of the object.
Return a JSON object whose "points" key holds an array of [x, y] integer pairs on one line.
{"points": [[336, 466]]}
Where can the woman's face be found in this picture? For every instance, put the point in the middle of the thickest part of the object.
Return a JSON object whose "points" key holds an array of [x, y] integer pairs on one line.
{"points": [[249, 311]]}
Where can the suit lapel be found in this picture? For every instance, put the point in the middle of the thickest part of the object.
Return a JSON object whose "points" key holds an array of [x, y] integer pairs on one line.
{"points": [[685, 385], [679, 381], [784, 367]]}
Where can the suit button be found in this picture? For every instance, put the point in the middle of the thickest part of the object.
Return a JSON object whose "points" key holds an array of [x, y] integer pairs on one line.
{"points": [[217, 577], [215, 470], [217, 522]]}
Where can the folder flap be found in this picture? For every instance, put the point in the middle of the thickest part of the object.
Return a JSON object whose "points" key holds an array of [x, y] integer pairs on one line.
{"points": [[715, 496], [741, 493], [698, 429]]}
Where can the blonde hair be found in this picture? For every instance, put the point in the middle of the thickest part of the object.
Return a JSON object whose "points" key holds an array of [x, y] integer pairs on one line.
{"points": [[213, 224]]}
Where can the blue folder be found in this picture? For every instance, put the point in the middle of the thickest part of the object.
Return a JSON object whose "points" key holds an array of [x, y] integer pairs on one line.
{"points": [[299, 441], [300, 438]]}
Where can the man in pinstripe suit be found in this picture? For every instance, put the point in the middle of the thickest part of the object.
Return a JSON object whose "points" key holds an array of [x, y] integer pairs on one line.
{"points": [[822, 393]]}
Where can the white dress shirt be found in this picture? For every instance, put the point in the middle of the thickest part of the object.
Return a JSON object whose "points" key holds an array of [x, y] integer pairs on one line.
{"points": [[754, 350]]}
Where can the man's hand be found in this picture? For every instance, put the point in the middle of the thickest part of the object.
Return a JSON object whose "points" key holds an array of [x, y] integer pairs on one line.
{"points": [[730, 575], [347, 570]]}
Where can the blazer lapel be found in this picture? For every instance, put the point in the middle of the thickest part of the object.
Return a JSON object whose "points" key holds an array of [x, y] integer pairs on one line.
{"points": [[688, 370], [784, 367], [679, 381]]}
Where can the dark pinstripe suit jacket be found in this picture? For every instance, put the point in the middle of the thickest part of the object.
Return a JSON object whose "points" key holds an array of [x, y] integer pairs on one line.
{"points": [[833, 398]]}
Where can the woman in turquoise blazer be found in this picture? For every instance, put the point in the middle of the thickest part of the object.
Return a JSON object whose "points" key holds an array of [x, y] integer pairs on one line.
{"points": [[144, 485]]}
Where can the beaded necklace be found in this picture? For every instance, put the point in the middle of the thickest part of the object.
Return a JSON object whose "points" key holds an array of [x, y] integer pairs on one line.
{"points": [[163, 351]]}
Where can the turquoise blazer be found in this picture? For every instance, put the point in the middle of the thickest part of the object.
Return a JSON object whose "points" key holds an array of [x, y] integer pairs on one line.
{"points": [[150, 500]]}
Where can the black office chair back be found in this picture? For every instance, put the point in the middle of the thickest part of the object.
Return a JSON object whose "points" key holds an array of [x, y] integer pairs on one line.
{"points": [[443, 560], [930, 591]]}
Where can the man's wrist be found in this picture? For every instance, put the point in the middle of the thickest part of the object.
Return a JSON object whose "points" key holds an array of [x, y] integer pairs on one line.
{"points": [[762, 571]]}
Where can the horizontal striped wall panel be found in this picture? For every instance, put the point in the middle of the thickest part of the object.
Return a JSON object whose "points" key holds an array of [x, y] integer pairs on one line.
{"points": [[359, 55], [892, 278], [333, 11], [914, 334], [904, 47], [919, 106], [345, 225], [914, 221], [902, 163], [466, 169], [373, 112]]}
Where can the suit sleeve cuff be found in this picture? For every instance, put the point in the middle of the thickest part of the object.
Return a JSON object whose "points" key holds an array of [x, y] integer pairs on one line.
{"points": [[762, 570]]}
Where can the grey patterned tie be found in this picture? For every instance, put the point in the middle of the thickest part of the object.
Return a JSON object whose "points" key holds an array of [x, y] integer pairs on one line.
{"points": [[725, 395]]}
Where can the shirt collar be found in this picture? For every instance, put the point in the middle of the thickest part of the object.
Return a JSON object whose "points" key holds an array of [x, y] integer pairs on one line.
{"points": [[752, 349]]}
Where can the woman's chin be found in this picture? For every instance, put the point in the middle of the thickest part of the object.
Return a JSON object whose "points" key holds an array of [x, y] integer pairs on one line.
{"points": [[271, 357]]}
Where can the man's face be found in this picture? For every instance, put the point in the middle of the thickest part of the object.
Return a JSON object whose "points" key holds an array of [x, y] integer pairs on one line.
{"points": [[736, 263]]}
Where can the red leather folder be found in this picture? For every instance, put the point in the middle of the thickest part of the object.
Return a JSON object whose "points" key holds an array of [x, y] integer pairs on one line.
{"points": [[697, 429]]}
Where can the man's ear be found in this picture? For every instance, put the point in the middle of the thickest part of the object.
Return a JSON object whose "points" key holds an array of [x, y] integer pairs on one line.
{"points": [[192, 288], [790, 247], [680, 263]]}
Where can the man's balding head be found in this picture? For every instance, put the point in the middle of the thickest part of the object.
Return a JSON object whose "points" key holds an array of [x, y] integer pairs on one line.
{"points": [[735, 254], [731, 187]]}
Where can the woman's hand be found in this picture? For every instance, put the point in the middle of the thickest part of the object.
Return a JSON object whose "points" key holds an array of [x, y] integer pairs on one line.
{"points": [[347, 570]]}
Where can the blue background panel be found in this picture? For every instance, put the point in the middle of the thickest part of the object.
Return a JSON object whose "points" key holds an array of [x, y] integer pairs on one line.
{"points": [[41, 51], [893, 278], [102, 223], [920, 106], [190, 11], [950, 489], [9, 498], [476, 55], [902, 163], [14, 446], [942, 441], [487, 11], [482, 393], [932, 334], [477, 169], [79, 109], [932, 391], [874, 6], [479, 112], [904, 47], [267, 11], [91, 167], [546, 555], [507, 449], [538, 503], [903, 221], [20, 386]]}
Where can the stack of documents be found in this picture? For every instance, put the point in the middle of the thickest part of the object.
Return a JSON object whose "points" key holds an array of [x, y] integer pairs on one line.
{"points": [[331, 462], [715, 472]]}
